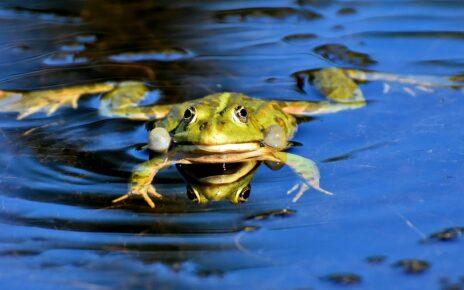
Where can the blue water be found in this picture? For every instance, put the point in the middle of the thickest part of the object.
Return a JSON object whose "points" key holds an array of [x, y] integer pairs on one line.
{"points": [[394, 165]]}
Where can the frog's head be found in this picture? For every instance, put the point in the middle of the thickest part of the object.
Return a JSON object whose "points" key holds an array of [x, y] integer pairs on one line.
{"points": [[217, 182], [218, 123]]}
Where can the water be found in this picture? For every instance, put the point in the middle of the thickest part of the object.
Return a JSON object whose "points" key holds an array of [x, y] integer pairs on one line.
{"points": [[394, 165]]}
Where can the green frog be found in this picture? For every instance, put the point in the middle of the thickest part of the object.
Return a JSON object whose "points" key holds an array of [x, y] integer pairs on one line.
{"points": [[227, 129]]}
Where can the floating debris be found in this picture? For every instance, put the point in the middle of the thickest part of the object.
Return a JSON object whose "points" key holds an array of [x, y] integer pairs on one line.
{"points": [[249, 229], [282, 213], [265, 12], [20, 48], [171, 54], [86, 38], [377, 259], [72, 47], [340, 53], [446, 235], [298, 38], [62, 59], [338, 27], [412, 266], [271, 80], [457, 78], [343, 278], [346, 11], [312, 2]]}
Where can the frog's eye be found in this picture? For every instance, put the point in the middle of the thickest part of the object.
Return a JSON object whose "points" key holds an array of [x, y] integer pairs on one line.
{"points": [[191, 194], [244, 194], [241, 113], [189, 114]]}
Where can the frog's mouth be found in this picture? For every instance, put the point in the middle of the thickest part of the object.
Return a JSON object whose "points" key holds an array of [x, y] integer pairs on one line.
{"points": [[217, 173], [221, 148]]}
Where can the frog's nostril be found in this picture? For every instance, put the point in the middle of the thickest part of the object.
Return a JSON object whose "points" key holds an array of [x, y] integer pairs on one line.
{"points": [[203, 126]]}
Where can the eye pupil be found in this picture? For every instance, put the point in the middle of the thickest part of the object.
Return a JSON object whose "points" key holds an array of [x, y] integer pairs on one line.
{"points": [[189, 113], [191, 193], [241, 113], [245, 194]]}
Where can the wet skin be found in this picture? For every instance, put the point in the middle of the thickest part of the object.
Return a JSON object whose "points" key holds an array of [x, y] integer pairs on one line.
{"points": [[230, 129]]}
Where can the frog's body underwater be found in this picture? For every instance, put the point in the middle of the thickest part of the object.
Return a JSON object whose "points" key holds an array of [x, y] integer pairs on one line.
{"points": [[229, 129]]}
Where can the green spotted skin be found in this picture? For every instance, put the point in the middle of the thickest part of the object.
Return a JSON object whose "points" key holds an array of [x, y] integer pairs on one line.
{"points": [[216, 123]]}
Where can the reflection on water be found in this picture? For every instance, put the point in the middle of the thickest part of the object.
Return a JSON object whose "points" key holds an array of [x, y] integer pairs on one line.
{"points": [[394, 165]]}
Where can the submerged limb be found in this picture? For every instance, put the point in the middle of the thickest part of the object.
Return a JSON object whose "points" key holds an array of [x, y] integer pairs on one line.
{"points": [[121, 100], [340, 90], [337, 86], [305, 168], [142, 178], [48, 101], [124, 101], [416, 80], [308, 108]]}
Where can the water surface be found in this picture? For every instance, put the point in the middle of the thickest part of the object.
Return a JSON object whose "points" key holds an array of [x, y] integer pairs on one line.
{"points": [[394, 166]]}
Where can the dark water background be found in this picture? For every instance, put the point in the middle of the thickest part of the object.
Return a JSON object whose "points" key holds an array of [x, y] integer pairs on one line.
{"points": [[395, 165]]}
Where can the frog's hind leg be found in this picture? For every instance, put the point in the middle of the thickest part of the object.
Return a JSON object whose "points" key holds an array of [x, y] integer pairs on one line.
{"points": [[120, 100], [305, 168], [124, 102], [341, 91], [48, 101], [420, 81]]}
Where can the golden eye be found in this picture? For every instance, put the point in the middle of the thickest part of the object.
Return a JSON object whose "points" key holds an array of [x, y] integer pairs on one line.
{"points": [[241, 113], [244, 194], [191, 193], [189, 114]]}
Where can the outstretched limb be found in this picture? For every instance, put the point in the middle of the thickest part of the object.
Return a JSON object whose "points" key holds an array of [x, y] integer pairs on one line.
{"points": [[305, 168], [341, 91], [142, 178], [48, 101], [121, 100], [124, 102], [420, 81]]}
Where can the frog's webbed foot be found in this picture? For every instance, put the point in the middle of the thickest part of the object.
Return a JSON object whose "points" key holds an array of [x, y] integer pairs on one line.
{"points": [[47, 101], [143, 190], [142, 178], [306, 169]]}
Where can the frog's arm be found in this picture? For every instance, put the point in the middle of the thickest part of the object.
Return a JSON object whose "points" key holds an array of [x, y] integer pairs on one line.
{"points": [[121, 100], [305, 168], [142, 178], [341, 91]]}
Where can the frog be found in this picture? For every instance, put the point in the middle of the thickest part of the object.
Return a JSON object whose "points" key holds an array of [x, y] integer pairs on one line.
{"points": [[225, 128]]}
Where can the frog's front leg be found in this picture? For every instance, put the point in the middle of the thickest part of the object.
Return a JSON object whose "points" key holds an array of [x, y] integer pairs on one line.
{"points": [[305, 168], [142, 178]]}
